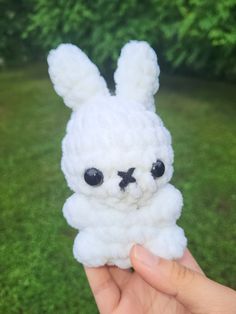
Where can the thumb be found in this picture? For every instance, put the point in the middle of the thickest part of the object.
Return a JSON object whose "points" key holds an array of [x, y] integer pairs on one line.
{"points": [[195, 291]]}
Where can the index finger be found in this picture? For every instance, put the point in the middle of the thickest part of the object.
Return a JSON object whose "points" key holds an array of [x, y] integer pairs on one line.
{"points": [[104, 288]]}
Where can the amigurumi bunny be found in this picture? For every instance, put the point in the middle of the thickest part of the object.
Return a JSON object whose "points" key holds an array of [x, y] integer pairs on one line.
{"points": [[117, 158]]}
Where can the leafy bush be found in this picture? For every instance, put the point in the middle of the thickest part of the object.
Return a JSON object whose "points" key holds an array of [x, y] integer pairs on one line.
{"points": [[13, 22], [195, 36]]}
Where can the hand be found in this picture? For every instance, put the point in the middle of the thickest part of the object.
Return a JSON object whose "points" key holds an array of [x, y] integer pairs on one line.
{"points": [[159, 286]]}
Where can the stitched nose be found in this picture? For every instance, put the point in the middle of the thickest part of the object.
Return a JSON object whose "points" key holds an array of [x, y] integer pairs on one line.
{"points": [[126, 178]]}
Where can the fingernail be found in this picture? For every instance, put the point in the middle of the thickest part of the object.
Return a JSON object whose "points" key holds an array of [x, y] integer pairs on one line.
{"points": [[145, 257]]}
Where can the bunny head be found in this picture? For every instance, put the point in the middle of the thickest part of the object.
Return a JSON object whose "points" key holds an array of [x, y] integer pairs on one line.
{"points": [[116, 148]]}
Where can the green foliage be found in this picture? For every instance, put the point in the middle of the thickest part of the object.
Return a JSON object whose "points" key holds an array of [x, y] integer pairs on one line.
{"points": [[204, 36], [196, 36], [38, 273], [13, 22]]}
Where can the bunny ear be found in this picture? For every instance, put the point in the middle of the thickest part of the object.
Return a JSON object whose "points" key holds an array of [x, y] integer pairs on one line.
{"points": [[75, 77], [137, 73]]}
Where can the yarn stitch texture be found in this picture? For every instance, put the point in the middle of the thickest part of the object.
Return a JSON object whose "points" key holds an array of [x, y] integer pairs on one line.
{"points": [[121, 138]]}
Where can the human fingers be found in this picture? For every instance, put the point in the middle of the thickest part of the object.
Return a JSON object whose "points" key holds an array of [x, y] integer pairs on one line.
{"points": [[105, 290], [120, 276], [189, 261], [195, 291]]}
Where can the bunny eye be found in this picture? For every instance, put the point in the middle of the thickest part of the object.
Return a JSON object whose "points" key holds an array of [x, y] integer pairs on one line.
{"points": [[93, 177], [158, 169]]}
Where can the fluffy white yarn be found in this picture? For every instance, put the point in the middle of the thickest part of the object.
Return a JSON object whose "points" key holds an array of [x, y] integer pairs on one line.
{"points": [[137, 73], [116, 134], [74, 76]]}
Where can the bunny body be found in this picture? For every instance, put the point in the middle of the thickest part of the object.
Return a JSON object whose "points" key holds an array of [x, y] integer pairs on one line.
{"points": [[126, 146]]}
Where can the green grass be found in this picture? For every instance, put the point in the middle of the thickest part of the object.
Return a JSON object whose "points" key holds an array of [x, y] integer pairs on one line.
{"points": [[37, 271]]}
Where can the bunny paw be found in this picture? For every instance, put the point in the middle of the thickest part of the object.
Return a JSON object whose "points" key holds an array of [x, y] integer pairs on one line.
{"points": [[169, 243], [88, 250]]}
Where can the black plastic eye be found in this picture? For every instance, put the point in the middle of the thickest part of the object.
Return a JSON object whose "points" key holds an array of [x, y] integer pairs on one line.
{"points": [[158, 169], [93, 177]]}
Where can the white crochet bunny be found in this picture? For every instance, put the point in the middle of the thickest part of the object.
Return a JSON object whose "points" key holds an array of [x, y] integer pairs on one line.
{"points": [[117, 158]]}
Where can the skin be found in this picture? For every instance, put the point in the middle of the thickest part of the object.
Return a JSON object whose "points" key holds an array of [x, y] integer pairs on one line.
{"points": [[159, 286]]}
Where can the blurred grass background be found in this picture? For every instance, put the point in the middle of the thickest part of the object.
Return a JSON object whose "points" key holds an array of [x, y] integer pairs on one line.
{"points": [[196, 45], [37, 271]]}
